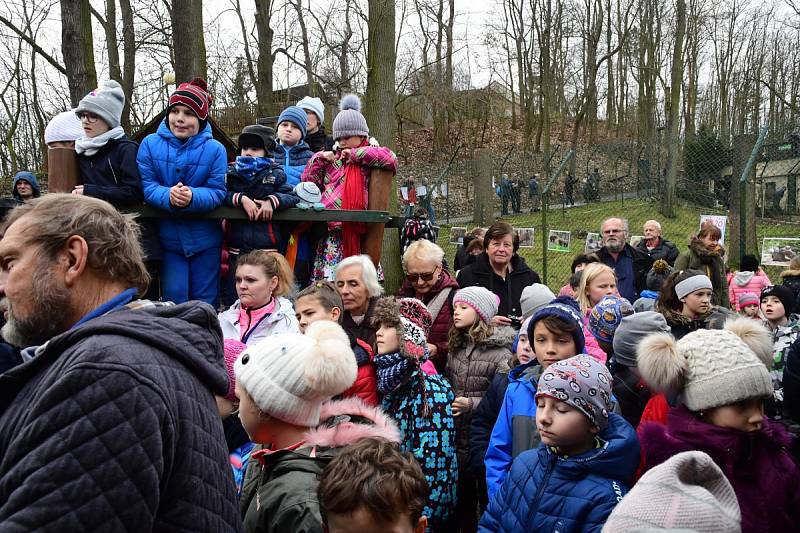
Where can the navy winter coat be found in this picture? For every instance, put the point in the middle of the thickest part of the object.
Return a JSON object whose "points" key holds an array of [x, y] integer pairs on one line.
{"points": [[293, 159], [269, 185], [112, 174], [112, 426], [545, 492], [483, 420], [199, 163]]}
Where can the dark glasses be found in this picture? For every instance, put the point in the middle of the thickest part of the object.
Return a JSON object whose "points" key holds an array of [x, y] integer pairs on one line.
{"points": [[413, 278]]}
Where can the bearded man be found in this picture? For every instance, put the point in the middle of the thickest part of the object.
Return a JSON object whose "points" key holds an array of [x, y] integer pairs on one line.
{"points": [[630, 265]]}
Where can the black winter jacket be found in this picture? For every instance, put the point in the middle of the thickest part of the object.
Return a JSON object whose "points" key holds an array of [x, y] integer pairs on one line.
{"points": [[112, 426], [642, 263], [509, 291], [665, 250], [791, 279], [319, 141], [483, 420], [268, 185], [632, 394]]}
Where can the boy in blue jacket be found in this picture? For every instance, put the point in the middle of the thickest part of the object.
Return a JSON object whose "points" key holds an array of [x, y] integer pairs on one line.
{"points": [[292, 153], [555, 332], [183, 171], [575, 478]]}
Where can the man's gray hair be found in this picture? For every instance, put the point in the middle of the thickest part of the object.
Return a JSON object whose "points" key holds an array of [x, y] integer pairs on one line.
{"points": [[624, 221], [368, 273], [655, 223]]}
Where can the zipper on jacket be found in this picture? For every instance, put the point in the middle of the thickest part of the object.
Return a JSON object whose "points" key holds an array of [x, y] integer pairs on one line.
{"points": [[535, 503], [112, 171]]}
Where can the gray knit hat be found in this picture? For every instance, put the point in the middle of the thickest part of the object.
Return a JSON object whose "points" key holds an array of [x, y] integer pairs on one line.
{"points": [[582, 382], [632, 330], [686, 492], [710, 367], [533, 298], [350, 122], [106, 102], [290, 375], [482, 300]]}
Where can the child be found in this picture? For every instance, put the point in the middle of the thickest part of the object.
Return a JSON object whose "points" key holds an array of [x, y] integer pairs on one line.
{"points": [[659, 272], [597, 280], [387, 494], [292, 153], [477, 351], [63, 130], [685, 302], [604, 319], [533, 298], [580, 262], [263, 280], [183, 171], [316, 138], [721, 379], [420, 402], [555, 333], [25, 186], [576, 476], [321, 301], [791, 279], [785, 329], [631, 392], [228, 405], [749, 305], [749, 279], [258, 186], [343, 178], [284, 385]]}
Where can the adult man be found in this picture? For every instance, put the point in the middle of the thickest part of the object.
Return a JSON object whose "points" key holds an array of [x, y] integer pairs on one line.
{"points": [[656, 247], [630, 265], [533, 192], [25, 187], [110, 422], [357, 283]]}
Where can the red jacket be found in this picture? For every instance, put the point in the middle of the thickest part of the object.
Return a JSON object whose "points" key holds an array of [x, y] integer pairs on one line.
{"points": [[366, 384]]}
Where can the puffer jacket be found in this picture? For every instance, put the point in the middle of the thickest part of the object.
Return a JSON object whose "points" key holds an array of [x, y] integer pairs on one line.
{"points": [[509, 290], [441, 322], [282, 320], [293, 160], [698, 257], [199, 163], [743, 282], [483, 420], [268, 185], [546, 492], [791, 279], [112, 426], [366, 384], [681, 325], [763, 475], [591, 345], [515, 429], [280, 488], [470, 371]]}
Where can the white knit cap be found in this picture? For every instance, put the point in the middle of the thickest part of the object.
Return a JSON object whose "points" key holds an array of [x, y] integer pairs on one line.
{"points": [[65, 126], [313, 104], [289, 376], [686, 492]]}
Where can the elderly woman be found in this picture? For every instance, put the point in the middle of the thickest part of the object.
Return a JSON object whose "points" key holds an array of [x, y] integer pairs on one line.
{"points": [[655, 245], [502, 271], [428, 281], [357, 283], [707, 255]]}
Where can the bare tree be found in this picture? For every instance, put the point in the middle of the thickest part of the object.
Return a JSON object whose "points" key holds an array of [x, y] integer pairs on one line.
{"points": [[668, 208], [188, 40], [77, 47]]}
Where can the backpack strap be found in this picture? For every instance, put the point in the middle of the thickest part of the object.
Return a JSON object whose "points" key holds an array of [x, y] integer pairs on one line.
{"points": [[435, 305]]}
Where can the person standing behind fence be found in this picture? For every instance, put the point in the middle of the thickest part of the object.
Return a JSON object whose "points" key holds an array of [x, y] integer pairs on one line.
{"points": [[183, 171], [655, 246], [343, 177], [533, 192]]}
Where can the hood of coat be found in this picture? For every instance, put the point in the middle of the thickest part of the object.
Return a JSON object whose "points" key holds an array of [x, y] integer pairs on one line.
{"points": [[283, 310], [618, 458], [200, 137], [502, 336], [529, 372], [348, 421], [790, 273], [675, 317], [30, 178], [743, 277], [705, 255]]}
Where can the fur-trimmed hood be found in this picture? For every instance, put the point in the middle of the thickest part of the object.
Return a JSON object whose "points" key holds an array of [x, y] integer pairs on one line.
{"points": [[705, 255], [789, 273], [347, 421], [501, 336]]}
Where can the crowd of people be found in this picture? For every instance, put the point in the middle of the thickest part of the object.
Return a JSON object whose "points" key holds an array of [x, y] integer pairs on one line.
{"points": [[656, 390]]}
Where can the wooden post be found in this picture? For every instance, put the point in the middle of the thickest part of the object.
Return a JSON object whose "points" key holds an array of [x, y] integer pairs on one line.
{"points": [[483, 206], [380, 187], [63, 171]]}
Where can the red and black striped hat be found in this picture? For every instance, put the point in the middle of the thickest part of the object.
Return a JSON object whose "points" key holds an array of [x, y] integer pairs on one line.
{"points": [[193, 95]]}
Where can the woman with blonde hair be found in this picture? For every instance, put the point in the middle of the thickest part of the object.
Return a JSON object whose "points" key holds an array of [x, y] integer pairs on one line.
{"points": [[597, 281], [263, 280]]}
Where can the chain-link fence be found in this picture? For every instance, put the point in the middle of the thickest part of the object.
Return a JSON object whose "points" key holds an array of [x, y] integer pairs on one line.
{"points": [[560, 215]]}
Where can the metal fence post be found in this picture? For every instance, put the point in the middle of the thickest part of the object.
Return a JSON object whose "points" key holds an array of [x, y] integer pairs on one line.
{"points": [[748, 168]]}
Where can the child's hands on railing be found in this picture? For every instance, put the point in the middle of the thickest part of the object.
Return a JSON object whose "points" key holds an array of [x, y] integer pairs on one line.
{"points": [[180, 195]]}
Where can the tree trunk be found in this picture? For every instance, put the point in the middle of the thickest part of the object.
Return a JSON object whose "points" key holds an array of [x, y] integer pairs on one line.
{"points": [[265, 57], [129, 56], [676, 77], [77, 47], [188, 42], [309, 66]]}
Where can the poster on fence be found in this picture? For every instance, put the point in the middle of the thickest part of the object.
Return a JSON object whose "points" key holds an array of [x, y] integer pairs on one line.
{"points": [[457, 235], [422, 190], [525, 237], [636, 239], [593, 243], [404, 193], [719, 221], [558, 241], [440, 191], [778, 251]]}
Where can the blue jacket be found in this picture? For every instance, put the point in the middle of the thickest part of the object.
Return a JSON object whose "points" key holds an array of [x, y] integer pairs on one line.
{"points": [[199, 163], [545, 492], [515, 429], [269, 185], [293, 160]]}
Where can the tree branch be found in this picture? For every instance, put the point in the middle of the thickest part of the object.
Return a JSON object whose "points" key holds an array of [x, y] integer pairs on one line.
{"points": [[10, 25]]}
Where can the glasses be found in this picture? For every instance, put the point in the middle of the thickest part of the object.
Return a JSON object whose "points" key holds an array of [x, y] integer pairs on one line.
{"points": [[91, 118], [414, 278]]}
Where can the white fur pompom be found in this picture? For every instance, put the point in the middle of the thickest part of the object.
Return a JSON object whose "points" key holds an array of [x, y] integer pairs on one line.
{"points": [[659, 362], [332, 368], [755, 336], [350, 101]]}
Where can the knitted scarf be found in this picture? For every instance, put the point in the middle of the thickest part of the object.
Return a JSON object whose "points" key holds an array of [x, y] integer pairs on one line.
{"points": [[353, 199], [90, 145], [392, 369], [248, 166]]}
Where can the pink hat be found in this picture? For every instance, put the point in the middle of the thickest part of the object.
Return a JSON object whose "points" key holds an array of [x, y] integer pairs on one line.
{"points": [[232, 349], [748, 298]]}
